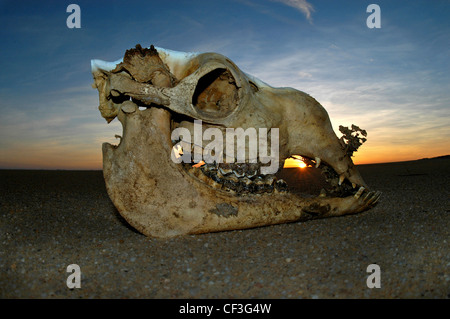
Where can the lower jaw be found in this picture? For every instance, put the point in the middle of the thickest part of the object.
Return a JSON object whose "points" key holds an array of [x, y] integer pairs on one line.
{"points": [[161, 199], [244, 179]]}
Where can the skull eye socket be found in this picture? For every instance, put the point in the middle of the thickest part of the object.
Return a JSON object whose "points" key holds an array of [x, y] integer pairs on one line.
{"points": [[216, 94]]}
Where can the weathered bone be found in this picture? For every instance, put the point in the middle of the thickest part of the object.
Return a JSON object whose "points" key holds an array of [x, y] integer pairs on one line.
{"points": [[146, 66], [161, 198]]}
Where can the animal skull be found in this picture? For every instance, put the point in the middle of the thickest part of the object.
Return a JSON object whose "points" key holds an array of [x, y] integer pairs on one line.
{"points": [[161, 198]]}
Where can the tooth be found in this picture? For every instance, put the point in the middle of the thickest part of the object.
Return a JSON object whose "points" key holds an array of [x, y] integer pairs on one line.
{"points": [[359, 192], [341, 179], [229, 184], [246, 185], [232, 178], [269, 179], [281, 186], [207, 168], [217, 177], [318, 161], [369, 194], [259, 181], [225, 171], [214, 181], [376, 198], [258, 185], [238, 174], [246, 181], [353, 185], [251, 174]]}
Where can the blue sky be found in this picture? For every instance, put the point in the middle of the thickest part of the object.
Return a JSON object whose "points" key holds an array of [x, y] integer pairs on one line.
{"points": [[393, 81]]}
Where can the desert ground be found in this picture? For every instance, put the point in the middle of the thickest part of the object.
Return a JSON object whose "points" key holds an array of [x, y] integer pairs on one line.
{"points": [[52, 219]]}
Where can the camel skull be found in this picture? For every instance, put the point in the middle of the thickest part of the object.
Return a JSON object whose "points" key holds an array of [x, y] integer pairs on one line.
{"points": [[154, 91]]}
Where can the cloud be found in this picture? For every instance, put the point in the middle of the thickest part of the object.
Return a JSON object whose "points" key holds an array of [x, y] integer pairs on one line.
{"points": [[304, 75], [302, 5]]}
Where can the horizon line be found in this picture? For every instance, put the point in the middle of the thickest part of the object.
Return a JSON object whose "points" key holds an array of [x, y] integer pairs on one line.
{"points": [[101, 169]]}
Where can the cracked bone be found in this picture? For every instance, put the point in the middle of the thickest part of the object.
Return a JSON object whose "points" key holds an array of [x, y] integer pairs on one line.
{"points": [[161, 198]]}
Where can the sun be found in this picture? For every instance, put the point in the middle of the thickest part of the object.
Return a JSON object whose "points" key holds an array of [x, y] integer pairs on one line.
{"points": [[295, 161], [301, 164]]}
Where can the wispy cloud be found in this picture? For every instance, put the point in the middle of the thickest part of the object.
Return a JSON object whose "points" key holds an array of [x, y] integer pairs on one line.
{"points": [[302, 5]]}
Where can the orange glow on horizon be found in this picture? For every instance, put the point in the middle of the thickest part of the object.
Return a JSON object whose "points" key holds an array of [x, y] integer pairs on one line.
{"points": [[53, 158]]}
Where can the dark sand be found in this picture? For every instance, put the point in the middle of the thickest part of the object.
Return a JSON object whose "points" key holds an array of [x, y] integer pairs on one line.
{"points": [[51, 219]]}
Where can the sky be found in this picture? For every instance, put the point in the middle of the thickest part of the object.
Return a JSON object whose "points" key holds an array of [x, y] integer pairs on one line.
{"points": [[392, 81]]}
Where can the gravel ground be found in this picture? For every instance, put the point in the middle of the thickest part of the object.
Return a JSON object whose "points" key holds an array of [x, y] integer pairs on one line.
{"points": [[51, 219]]}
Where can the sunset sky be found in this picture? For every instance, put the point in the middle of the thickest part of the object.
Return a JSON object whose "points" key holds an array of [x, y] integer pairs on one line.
{"points": [[393, 81]]}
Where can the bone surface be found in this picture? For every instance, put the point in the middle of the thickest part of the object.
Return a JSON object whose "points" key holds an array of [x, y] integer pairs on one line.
{"points": [[162, 198]]}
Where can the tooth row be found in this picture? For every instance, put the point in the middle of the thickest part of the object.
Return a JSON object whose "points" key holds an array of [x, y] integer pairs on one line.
{"points": [[244, 180], [248, 170]]}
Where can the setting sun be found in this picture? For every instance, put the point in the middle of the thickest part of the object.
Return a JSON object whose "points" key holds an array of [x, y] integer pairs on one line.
{"points": [[294, 161]]}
